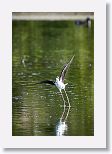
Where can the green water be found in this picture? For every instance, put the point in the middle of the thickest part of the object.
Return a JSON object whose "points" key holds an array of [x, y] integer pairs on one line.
{"points": [[40, 49]]}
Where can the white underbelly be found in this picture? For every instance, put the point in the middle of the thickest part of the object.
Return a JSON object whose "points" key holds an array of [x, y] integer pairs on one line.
{"points": [[60, 85]]}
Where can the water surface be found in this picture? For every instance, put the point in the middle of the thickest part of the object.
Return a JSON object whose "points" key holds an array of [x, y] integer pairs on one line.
{"points": [[40, 49]]}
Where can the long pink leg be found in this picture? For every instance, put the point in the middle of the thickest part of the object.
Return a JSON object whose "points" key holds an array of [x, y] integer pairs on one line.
{"points": [[69, 106], [64, 106]]}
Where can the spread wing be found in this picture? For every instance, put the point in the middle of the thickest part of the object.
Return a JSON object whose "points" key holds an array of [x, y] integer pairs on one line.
{"points": [[64, 70], [47, 81]]}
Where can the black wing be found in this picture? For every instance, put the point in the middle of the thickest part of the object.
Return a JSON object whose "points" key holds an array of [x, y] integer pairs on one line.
{"points": [[64, 70], [47, 81]]}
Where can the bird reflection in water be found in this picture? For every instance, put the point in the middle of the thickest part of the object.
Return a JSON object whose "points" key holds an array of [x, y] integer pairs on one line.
{"points": [[61, 127], [59, 83]]}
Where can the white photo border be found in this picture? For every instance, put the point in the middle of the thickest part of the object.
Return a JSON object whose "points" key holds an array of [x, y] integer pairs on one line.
{"points": [[99, 138]]}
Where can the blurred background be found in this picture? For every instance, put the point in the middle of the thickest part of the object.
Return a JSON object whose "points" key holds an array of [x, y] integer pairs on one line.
{"points": [[41, 44]]}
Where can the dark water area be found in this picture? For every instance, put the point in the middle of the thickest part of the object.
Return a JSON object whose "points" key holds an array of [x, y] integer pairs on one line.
{"points": [[39, 51]]}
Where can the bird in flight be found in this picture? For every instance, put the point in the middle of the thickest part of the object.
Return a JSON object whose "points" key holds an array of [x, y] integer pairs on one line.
{"points": [[59, 82]]}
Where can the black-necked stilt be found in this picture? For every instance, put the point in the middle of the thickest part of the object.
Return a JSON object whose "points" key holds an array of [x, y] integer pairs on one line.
{"points": [[59, 83]]}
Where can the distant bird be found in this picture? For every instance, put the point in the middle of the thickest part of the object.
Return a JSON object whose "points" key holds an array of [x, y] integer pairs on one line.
{"points": [[59, 83], [86, 22]]}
